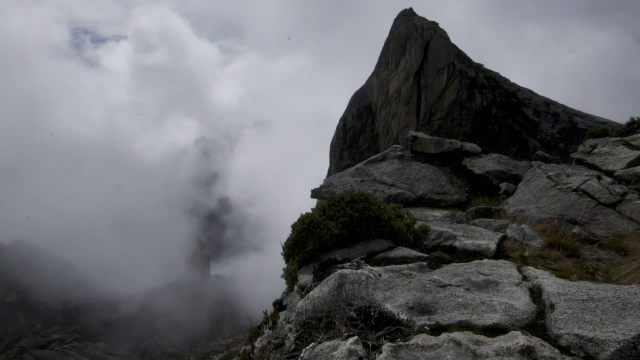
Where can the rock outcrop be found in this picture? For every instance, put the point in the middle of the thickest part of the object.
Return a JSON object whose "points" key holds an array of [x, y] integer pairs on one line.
{"points": [[480, 161], [468, 346], [597, 321], [423, 82], [396, 176], [569, 196]]}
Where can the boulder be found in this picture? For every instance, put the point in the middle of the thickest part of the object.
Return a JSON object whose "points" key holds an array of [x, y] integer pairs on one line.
{"points": [[359, 250], [524, 234], [497, 167], [423, 82], [609, 154], [484, 294], [399, 255], [630, 176], [506, 189], [463, 238], [428, 215], [597, 321], [468, 346], [396, 176], [565, 196], [491, 224], [350, 349], [425, 144], [544, 157]]}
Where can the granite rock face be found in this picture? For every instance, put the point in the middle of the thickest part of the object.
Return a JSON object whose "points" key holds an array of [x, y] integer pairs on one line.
{"points": [[469, 346], [498, 168], [397, 176], [565, 196], [423, 82], [350, 349], [484, 294], [463, 238], [609, 155], [599, 321], [426, 144]]}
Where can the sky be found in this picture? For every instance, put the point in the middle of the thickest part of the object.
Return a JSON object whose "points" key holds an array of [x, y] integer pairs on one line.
{"points": [[122, 121]]}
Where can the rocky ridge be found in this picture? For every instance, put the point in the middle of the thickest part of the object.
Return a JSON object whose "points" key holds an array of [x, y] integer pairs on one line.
{"points": [[463, 296], [423, 82], [529, 223]]}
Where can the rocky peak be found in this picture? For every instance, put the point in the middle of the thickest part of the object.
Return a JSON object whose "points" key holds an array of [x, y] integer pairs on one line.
{"points": [[423, 82]]}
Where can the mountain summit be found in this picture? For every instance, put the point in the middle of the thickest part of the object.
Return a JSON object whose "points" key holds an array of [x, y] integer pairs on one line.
{"points": [[423, 82]]}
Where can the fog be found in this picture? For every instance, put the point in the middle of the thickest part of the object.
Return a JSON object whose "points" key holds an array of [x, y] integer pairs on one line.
{"points": [[141, 139]]}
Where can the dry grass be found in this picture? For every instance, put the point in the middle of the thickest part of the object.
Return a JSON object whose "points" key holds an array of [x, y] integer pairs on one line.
{"points": [[493, 201], [628, 271], [569, 256]]}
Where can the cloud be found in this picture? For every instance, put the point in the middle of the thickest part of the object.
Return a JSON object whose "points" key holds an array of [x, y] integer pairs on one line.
{"points": [[102, 107]]}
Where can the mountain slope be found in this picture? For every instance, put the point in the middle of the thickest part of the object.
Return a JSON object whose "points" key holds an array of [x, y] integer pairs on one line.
{"points": [[423, 82]]}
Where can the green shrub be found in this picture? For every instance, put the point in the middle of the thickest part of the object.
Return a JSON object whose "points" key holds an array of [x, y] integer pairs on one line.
{"points": [[342, 221], [631, 127], [598, 132]]}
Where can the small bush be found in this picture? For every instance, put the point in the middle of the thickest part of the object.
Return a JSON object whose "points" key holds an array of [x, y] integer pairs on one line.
{"points": [[598, 132], [631, 127], [342, 221], [269, 322]]}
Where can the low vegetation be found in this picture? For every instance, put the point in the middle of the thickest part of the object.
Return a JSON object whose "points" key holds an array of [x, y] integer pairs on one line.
{"points": [[342, 221], [598, 132], [631, 127], [573, 257]]}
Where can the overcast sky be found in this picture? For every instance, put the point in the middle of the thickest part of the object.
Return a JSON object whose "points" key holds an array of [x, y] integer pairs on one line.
{"points": [[101, 103]]}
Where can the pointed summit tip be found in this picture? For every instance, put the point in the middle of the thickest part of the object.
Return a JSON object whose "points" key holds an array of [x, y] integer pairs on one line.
{"points": [[406, 14]]}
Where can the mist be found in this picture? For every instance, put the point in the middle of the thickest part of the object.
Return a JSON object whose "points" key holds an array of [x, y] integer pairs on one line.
{"points": [[148, 144]]}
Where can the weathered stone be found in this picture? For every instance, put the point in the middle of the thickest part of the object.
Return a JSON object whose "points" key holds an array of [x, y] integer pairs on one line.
{"points": [[468, 346], [422, 143], [630, 207], [497, 167], [524, 234], [506, 189], [359, 250], [396, 176], [557, 195], [350, 349], [478, 295], [399, 255], [491, 224], [631, 175], [423, 82], [608, 154], [599, 321], [594, 189], [428, 215], [463, 238], [545, 158], [305, 276]]}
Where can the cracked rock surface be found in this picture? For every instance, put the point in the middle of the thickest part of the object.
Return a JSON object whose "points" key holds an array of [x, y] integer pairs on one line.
{"points": [[484, 294], [601, 321], [468, 346], [573, 195], [396, 176]]}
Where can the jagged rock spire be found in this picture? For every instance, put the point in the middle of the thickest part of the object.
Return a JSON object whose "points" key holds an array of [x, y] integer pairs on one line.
{"points": [[423, 82]]}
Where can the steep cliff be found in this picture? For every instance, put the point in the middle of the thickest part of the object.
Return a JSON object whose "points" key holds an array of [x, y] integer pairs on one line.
{"points": [[423, 82]]}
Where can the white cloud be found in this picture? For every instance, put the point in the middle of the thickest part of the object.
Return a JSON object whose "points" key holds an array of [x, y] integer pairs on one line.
{"points": [[96, 156]]}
